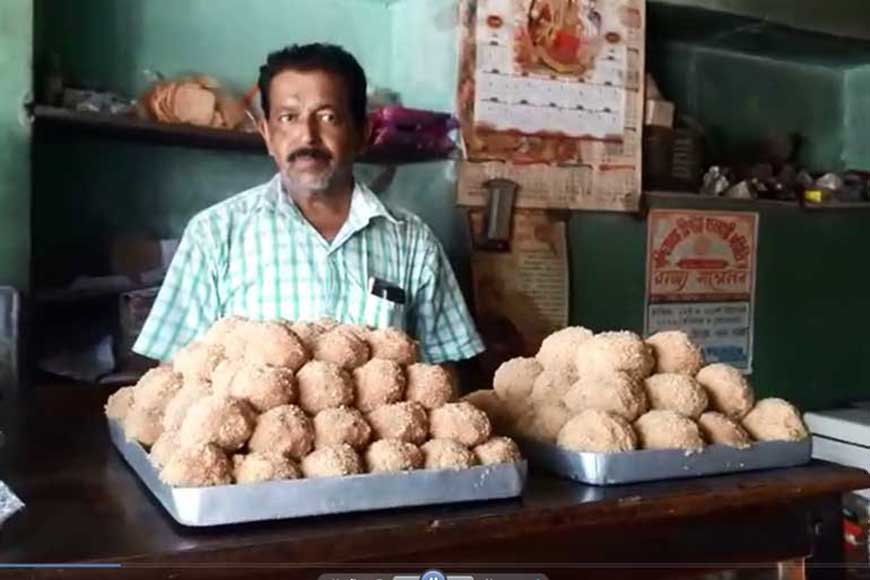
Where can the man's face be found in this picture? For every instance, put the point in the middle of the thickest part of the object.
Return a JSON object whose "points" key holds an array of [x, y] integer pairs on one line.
{"points": [[310, 132]]}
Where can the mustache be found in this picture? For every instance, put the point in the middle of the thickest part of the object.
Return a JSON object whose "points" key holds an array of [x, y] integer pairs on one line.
{"points": [[309, 152]]}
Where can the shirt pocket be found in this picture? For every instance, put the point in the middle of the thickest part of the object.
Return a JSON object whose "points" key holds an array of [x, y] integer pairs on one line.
{"points": [[366, 308]]}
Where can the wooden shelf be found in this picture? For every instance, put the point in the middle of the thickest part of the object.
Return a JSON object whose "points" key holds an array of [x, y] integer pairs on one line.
{"points": [[135, 129], [837, 205], [48, 296], [672, 199], [143, 131]]}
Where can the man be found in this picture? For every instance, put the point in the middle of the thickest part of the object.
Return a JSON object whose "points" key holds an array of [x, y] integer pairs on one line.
{"points": [[312, 242]]}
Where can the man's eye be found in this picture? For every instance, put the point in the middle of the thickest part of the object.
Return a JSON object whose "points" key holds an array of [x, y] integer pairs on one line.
{"points": [[286, 117], [328, 117]]}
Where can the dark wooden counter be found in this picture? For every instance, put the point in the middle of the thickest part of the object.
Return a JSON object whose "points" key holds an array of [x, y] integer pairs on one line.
{"points": [[84, 505]]}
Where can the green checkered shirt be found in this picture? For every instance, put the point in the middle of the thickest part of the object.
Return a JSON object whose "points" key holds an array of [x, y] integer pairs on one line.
{"points": [[255, 255]]}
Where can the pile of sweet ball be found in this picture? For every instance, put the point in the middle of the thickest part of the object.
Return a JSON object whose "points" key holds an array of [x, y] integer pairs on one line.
{"points": [[258, 401], [616, 392]]}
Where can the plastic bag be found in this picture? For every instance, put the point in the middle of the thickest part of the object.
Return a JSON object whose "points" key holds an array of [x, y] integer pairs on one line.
{"points": [[9, 503]]}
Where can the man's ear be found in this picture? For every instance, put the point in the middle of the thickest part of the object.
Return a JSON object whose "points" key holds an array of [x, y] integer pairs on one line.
{"points": [[365, 137]]}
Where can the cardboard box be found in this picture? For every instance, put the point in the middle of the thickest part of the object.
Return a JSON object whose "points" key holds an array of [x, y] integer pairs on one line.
{"points": [[134, 307], [658, 113], [842, 436], [10, 312], [851, 426], [138, 257]]}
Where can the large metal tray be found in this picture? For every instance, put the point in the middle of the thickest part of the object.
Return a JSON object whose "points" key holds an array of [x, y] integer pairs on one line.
{"points": [[658, 464], [231, 504]]}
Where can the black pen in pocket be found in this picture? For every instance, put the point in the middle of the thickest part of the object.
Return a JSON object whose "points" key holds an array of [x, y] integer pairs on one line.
{"points": [[386, 290]]}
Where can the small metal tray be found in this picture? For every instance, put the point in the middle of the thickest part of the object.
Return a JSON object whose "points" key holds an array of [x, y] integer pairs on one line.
{"points": [[271, 500], [658, 464]]}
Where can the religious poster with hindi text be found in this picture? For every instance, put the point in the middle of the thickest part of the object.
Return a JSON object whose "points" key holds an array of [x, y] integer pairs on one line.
{"points": [[550, 96]]}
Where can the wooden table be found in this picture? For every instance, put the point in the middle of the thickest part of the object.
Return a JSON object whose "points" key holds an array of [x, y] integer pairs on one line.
{"points": [[85, 505]]}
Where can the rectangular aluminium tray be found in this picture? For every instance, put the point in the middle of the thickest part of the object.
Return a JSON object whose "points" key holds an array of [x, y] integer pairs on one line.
{"points": [[659, 464], [271, 500]]}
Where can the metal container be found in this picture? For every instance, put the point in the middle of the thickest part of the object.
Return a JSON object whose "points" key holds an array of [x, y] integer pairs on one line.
{"points": [[658, 464], [272, 500], [10, 312]]}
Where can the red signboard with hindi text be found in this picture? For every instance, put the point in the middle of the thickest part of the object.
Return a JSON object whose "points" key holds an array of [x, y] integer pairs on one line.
{"points": [[700, 278]]}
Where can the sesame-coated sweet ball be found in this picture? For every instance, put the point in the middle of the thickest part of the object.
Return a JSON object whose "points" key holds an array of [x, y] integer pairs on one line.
{"points": [[198, 466], [664, 429], [462, 422], [223, 421], [393, 455], [615, 351], [430, 385], [323, 385], [497, 450], [597, 431], [341, 425], [286, 430], [446, 454], [558, 350], [378, 382], [256, 466], [391, 343], [675, 353], [337, 460], [407, 421]]}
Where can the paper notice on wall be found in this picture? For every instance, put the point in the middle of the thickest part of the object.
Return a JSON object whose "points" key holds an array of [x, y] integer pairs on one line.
{"points": [[723, 329], [547, 84], [700, 278], [523, 291], [551, 186]]}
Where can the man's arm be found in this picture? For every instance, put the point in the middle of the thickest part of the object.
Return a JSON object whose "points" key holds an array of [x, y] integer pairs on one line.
{"points": [[440, 318], [187, 303]]}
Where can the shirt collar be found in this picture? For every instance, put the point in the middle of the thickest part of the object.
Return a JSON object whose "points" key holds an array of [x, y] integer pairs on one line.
{"points": [[364, 204], [270, 196]]}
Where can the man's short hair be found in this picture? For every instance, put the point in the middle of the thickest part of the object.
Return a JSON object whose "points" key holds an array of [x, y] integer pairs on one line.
{"points": [[318, 57]]}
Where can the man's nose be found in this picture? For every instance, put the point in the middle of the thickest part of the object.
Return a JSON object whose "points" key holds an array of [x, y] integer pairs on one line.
{"points": [[311, 131]]}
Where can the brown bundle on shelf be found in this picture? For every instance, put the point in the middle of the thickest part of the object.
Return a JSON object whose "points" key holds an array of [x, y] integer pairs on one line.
{"points": [[199, 100]]}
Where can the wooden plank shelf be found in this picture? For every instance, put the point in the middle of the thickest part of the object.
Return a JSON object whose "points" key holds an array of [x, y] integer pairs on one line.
{"points": [[135, 129], [672, 199], [46, 296], [128, 128], [669, 198], [837, 205]]}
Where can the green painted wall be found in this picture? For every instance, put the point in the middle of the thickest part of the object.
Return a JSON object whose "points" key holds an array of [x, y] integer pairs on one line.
{"points": [[113, 188], [424, 43], [110, 43], [745, 76], [740, 97], [16, 26], [840, 17], [857, 118], [423, 71]]}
